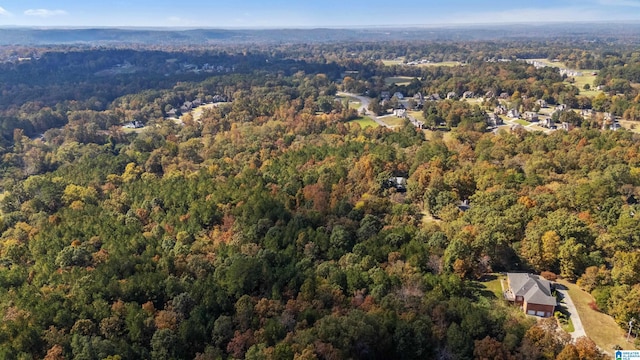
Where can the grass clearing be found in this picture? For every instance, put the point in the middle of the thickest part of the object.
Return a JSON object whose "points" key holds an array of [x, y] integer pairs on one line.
{"points": [[417, 114], [428, 218], [547, 62], [392, 121], [600, 327], [491, 282], [354, 103], [364, 122], [586, 78], [630, 125], [442, 63], [391, 62], [522, 122], [398, 80]]}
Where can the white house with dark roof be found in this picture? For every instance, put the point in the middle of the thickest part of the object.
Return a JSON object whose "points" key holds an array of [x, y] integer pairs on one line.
{"points": [[532, 292]]}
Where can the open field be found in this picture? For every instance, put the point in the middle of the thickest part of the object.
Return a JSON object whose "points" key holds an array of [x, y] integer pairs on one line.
{"points": [[601, 328], [398, 80], [580, 81], [586, 78], [364, 122], [522, 122]]}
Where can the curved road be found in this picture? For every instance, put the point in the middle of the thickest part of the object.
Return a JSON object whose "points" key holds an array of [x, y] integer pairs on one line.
{"points": [[364, 104]]}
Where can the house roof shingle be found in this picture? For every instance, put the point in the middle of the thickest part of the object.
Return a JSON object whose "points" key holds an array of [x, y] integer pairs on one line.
{"points": [[532, 288]]}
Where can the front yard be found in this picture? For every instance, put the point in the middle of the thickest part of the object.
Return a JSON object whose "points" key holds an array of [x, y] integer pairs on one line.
{"points": [[600, 327]]}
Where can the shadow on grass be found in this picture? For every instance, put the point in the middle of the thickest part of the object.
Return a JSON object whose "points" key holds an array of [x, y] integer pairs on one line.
{"points": [[559, 286], [488, 277]]}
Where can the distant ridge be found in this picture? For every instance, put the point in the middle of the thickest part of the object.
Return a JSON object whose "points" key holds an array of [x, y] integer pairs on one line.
{"points": [[629, 32]]}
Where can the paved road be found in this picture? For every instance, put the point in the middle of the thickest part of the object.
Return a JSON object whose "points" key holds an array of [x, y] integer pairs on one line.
{"points": [[364, 104], [575, 318]]}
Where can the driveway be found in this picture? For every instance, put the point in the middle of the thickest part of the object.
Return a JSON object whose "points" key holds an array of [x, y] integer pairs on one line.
{"points": [[571, 308]]}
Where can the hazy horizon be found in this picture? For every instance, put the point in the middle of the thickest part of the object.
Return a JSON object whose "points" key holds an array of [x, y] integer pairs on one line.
{"points": [[252, 14]]}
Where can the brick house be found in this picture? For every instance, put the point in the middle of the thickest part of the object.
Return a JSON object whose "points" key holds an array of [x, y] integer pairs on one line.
{"points": [[532, 292]]}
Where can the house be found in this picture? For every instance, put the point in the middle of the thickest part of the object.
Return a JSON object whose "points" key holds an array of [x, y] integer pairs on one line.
{"points": [[609, 116], [419, 98], [504, 95], [400, 112], [385, 95], [464, 205], [489, 94], [586, 113], [513, 113], [566, 126], [532, 292], [542, 103], [531, 116], [615, 126], [172, 113], [135, 124], [435, 97], [186, 107], [219, 98], [500, 110], [398, 95], [399, 183], [561, 107], [451, 95], [546, 122], [467, 95], [493, 119]]}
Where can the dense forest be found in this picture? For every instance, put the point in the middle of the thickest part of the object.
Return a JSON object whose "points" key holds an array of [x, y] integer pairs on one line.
{"points": [[267, 229]]}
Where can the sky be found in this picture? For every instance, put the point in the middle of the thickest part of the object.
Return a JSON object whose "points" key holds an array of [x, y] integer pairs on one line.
{"points": [[307, 13]]}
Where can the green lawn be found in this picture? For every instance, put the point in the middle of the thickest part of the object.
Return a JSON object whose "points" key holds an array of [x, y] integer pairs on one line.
{"points": [[393, 121], [600, 327], [521, 122], [491, 282], [417, 114], [586, 78], [364, 122], [568, 327], [398, 80], [354, 105]]}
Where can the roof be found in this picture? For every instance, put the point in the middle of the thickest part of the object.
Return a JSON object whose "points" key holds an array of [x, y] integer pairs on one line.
{"points": [[533, 288]]}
